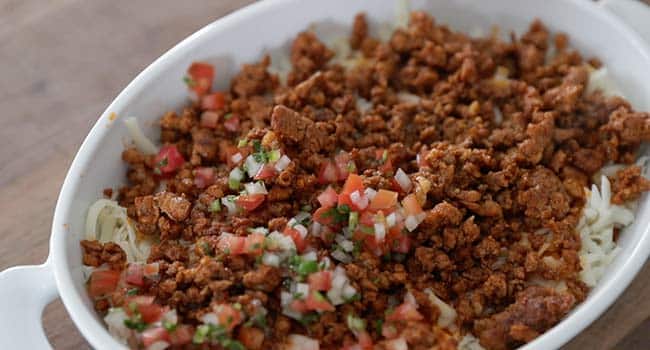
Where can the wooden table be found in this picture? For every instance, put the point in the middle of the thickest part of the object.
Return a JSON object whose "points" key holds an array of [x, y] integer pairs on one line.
{"points": [[62, 62]]}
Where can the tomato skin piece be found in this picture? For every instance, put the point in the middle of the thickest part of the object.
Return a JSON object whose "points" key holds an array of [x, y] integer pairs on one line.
{"points": [[328, 198], [298, 240], [201, 75], [102, 282], [209, 119], [254, 244], [135, 274], [321, 216], [317, 302], [344, 164], [250, 202], [384, 199], [152, 335], [251, 337], [411, 205], [181, 335], [266, 172], [365, 341], [299, 306], [231, 244], [168, 160], [213, 101], [151, 313], [228, 316], [204, 177], [232, 124], [327, 173], [321, 281], [353, 183], [405, 312]]}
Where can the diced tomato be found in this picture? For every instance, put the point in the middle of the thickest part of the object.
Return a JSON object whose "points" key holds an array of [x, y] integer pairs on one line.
{"points": [[151, 313], [103, 282], [250, 201], [135, 274], [327, 173], [266, 172], [365, 341], [251, 337], [168, 160], [254, 244], [299, 306], [228, 316], [405, 312], [411, 205], [297, 238], [151, 270], [204, 177], [232, 123], [376, 247], [201, 75], [323, 216], [401, 244], [321, 281], [344, 165], [181, 335], [317, 302], [231, 244], [386, 166], [384, 199], [353, 183], [328, 198], [209, 119], [213, 101], [152, 335], [389, 330]]}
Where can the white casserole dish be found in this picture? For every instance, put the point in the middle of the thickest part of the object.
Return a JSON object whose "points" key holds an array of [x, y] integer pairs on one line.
{"points": [[594, 28]]}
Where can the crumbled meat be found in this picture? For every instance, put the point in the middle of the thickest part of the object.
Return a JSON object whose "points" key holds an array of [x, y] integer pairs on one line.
{"points": [[96, 254]]}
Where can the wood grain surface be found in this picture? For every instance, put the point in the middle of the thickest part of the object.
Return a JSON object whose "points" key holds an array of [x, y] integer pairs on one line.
{"points": [[62, 62]]}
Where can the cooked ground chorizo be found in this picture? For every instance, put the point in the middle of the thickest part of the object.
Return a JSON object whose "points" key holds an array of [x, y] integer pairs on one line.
{"points": [[418, 190]]}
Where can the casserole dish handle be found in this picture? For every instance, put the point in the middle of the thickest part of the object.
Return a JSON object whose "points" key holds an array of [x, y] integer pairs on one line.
{"points": [[633, 12], [24, 293]]}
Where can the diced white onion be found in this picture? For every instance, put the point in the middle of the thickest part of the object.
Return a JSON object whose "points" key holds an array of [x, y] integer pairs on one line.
{"points": [[391, 220], [359, 200], [370, 193], [409, 298], [348, 291], [210, 318], [300, 342], [396, 344], [301, 229], [236, 175], [159, 345], [271, 259], [255, 188], [230, 205], [411, 223], [282, 163], [115, 321], [142, 143], [302, 289], [403, 180], [302, 216], [341, 256], [252, 166], [316, 228], [310, 256], [236, 158], [380, 232]]}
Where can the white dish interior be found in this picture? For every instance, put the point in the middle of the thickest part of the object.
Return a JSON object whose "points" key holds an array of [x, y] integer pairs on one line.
{"points": [[246, 35]]}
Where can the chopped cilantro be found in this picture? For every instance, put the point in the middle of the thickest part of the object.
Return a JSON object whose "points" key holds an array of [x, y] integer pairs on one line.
{"points": [[306, 208], [308, 319], [356, 324], [189, 81], [353, 221], [206, 249], [260, 157], [367, 229], [216, 333], [307, 267], [351, 167], [169, 326], [132, 292], [227, 116], [215, 206], [257, 145], [242, 143], [379, 324], [384, 157]]}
